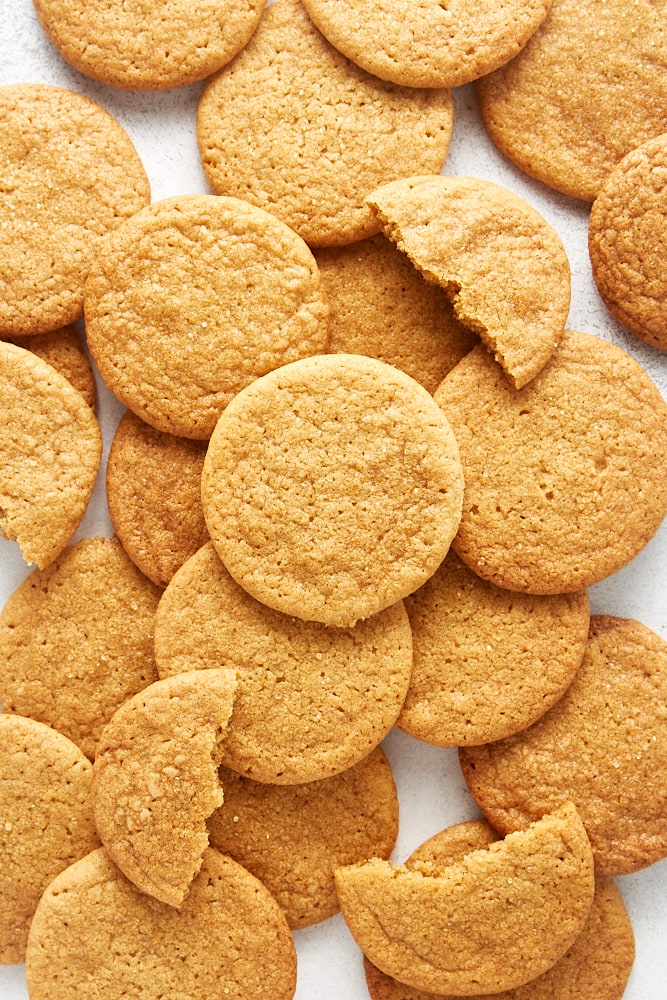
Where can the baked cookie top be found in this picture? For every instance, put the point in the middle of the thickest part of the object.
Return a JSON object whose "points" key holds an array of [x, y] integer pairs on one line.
{"points": [[332, 488], [192, 299], [295, 127], [70, 174], [64, 350]]}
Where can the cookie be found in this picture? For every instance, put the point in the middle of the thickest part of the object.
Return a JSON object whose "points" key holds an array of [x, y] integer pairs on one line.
{"points": [[587, 88], [502, 265], [153, 483], [76, 640], [64, 350], [70, 175], [626, 239], [150, 46], [47, 821], [602, 746], [487, 662], [292, 837], [567, 482], [332, 488], [381, 306], [95, 934], [430, 44], [192, 299], [50, 452], [298, 129], [311, 700]]}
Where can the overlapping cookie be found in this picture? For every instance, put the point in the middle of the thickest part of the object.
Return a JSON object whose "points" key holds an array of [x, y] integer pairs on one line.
{"points": [[64, 350]]}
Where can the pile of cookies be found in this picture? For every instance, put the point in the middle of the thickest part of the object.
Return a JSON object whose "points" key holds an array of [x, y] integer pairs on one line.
{"points": [[364, 480]]}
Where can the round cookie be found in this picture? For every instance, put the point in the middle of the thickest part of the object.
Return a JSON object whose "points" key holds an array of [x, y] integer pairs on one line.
{"points": [[229, 941], [76, 640], [295, 127], [292, 837], [332, 488], [47, 821], [588, 87], [70, 175], [601, 746], [567, 482], [381, 306], [149, 45], [627, 234], [428, 44], [487, 662], [153, 483], [64, 350], [50, 452], [192, 299], [311, 700]]}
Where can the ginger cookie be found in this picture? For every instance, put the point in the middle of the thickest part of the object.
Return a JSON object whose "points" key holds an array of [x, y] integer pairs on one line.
{"points": [[588, 87], [70, 175], [76, 640], [311, 700], [192, 299], [50, 452], [332, 488], [153, 483], [429, 44], [627, 235], [47, 821], [454, 930], [292, 837], [501, 263], [155, 779], [298, 129], [565, 479], [229, 941], [382, 307], [487, 662], [64, 350], [148, 45], [601, 746]]}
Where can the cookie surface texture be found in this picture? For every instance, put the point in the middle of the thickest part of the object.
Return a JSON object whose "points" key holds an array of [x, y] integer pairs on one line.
{"points": [[71, 174], [148, 45], [332, 488], [591, 749], [50, 452], [47, 821], [626, 238], [588, 87], [578, 485], [311, 700], [501, 263], [310, 153], [191, 300], [229, 940], [64, 350]]}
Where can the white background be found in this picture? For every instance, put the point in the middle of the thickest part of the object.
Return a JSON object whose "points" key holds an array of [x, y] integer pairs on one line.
{"points": [[432, 793]]}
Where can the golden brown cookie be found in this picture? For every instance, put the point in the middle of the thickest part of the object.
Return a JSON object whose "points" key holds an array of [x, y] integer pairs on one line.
{"points": [[311, 700], [588, 87], [50, 452], [96, 935], [332, 488], [46, 821], [487, 662], [601, 746], [627, 234], [76, 640], [295, 127], [192, 299], [502, 265], [566, 479], [70, 174], [148, 45], [64, 350], [292, 837], [153, 483]]}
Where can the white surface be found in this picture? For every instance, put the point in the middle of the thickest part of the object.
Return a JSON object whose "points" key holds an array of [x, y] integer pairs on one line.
{"points": [[431, 789]]}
